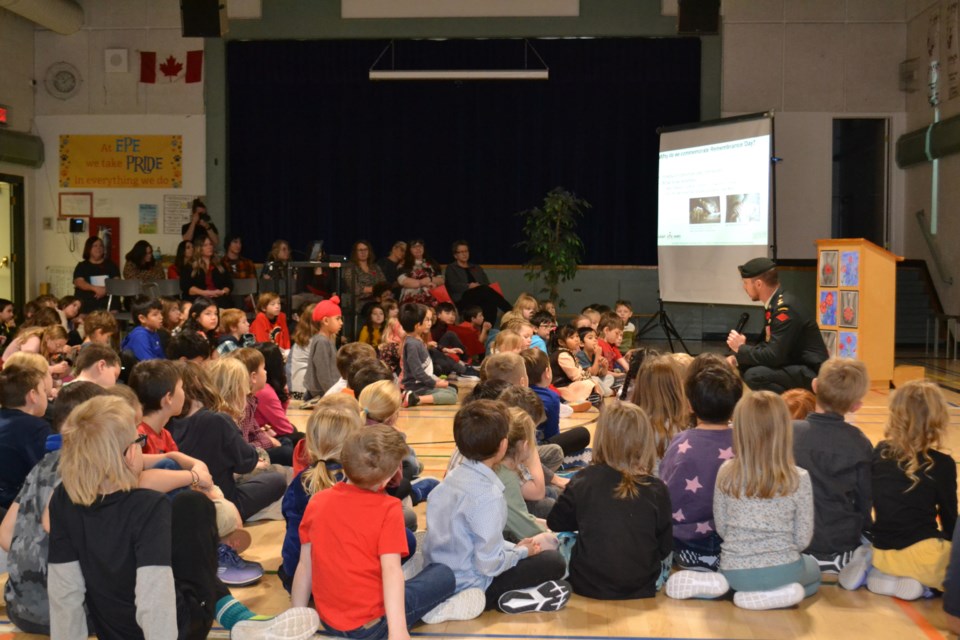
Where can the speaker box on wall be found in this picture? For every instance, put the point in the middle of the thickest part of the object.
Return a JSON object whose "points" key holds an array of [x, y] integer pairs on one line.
{"points": [[203, 18], [698, 17]]}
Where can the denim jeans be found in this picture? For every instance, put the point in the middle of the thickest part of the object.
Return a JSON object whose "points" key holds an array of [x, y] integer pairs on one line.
{"points": [[421, 593]]}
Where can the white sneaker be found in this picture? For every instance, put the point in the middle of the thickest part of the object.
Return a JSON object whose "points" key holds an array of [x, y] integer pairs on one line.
{"points": [[466, 605], [885, 584], [298, 623], [696, 584], [853, 575], [780, 598]]}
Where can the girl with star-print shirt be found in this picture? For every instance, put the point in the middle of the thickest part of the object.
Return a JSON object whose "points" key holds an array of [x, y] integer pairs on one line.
{"points": [[692, 460]]}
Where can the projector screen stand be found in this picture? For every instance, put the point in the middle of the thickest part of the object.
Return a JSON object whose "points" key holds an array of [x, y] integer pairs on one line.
{"points": [[662, 320]]}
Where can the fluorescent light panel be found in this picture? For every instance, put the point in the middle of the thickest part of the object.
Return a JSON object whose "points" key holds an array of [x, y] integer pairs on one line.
{"points": [[455, 74]]}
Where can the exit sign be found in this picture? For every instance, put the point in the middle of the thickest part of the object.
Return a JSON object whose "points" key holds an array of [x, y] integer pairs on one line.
{"points": [[3, 115]]}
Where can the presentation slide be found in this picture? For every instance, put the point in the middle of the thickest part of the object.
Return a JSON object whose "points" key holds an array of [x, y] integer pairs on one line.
{"points": [[714, 208]]}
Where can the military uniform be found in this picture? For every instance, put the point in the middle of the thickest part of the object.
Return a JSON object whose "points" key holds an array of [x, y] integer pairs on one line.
{"points": [[790, 352]]}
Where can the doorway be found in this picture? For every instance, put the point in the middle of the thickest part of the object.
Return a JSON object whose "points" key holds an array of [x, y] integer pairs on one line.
{"points": [[12, 240], [860, 161]]}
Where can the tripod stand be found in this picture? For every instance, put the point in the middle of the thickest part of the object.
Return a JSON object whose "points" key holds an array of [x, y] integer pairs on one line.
{"points": [[662, 320]]}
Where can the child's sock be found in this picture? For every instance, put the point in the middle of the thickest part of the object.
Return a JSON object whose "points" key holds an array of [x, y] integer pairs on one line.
{"points": [[885, 584], [696, 584], [230, 611]]}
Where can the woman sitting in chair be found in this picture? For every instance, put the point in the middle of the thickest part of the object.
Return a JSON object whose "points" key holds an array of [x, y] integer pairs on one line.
{"points": [[140, 264], [207, 277]]}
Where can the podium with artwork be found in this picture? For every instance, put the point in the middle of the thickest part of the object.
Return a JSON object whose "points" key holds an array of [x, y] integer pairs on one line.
{"points": [[856, 294]]}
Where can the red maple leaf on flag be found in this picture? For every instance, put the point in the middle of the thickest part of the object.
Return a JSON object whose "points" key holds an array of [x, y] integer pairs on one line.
{"points": [[170, 67]]}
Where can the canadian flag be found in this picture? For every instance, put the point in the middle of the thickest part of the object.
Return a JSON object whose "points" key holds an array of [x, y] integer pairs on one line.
{"points": [[171, 68]]}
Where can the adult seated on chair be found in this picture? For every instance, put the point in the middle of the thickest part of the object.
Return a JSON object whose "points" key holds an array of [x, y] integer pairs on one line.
{"points": [[791, 350], [95, 267], [419, 275], [360, 275], [390, 265], [140, 264], [240, 268], [207, 276], [468, 285]]}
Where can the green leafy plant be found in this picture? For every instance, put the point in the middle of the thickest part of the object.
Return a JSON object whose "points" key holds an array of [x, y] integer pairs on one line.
{"points": [[552, 243]]}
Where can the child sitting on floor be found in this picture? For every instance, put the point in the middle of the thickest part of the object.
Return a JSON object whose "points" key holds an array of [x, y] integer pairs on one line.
{"points": [[154, 589], [270, 325], [234, 332], [690, 465], [837, 455], [144, 340], [466, 516], [658, 390], [621, 510], [759, 490], [914, 486], [322, 360], [353, 538], [332, 420], [418, 380]]}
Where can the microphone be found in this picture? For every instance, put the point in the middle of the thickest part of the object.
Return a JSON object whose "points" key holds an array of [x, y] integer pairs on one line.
{"points": [[742, 322]]}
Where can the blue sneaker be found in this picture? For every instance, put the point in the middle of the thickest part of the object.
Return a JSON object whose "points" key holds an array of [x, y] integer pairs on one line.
{"points": [[233, 570], [421, 488]]}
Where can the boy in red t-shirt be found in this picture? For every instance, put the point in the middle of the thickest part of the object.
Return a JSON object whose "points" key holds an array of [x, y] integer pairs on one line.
{"points": [[353, 537], [159, 388]]}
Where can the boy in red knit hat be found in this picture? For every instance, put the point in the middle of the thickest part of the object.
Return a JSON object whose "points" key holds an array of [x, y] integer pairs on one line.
{"points": [[322, 368]]}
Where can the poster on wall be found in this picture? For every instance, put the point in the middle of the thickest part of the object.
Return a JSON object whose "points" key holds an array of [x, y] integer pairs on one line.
{"points": [[176, 212], [148, 218], [953, 50], [121, 161]]}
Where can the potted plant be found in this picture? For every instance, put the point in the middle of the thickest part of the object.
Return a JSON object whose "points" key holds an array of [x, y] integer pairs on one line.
{"points": [[552, 243]]}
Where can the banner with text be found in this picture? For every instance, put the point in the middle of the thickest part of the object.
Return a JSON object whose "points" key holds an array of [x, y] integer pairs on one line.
{"points": [[121, 162]]}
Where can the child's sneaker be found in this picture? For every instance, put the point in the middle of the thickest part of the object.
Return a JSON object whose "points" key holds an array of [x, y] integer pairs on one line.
{"points": [[565, 410], [410, 399], [833, 563], [780, 598], [298, 623], [421, 488], [549, 596], [885, 584], [466, 605], [684, 585], [233, 570], [853, 574]]}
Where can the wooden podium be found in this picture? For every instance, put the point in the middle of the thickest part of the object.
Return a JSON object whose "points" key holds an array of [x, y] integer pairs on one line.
{"points": [[856, 302]]}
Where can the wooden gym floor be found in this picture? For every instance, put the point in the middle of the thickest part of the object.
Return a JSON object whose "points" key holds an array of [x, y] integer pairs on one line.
{"points": [[832, 613]]}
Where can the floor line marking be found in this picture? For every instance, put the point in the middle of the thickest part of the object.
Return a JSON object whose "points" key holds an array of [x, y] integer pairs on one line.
{"points": [[928, 629]]}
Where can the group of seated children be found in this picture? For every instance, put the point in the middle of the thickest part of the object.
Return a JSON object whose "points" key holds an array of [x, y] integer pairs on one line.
{"points": [[690, 485]]}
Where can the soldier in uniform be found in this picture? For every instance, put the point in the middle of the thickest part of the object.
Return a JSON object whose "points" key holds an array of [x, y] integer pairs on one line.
{"points": [[791, 350]]}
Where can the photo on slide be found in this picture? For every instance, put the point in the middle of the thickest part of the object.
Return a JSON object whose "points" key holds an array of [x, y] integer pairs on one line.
{"points": [[849, 308], [743, 207], [829, 261], [828, 309], [705, 210], [830, 340]]}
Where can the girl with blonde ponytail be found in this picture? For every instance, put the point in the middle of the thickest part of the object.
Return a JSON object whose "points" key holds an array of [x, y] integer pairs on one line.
{"points": [[334, 418]]}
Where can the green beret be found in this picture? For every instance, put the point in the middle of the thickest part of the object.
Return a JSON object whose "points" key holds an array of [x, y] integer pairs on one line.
{"points": [[755, 267]]}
